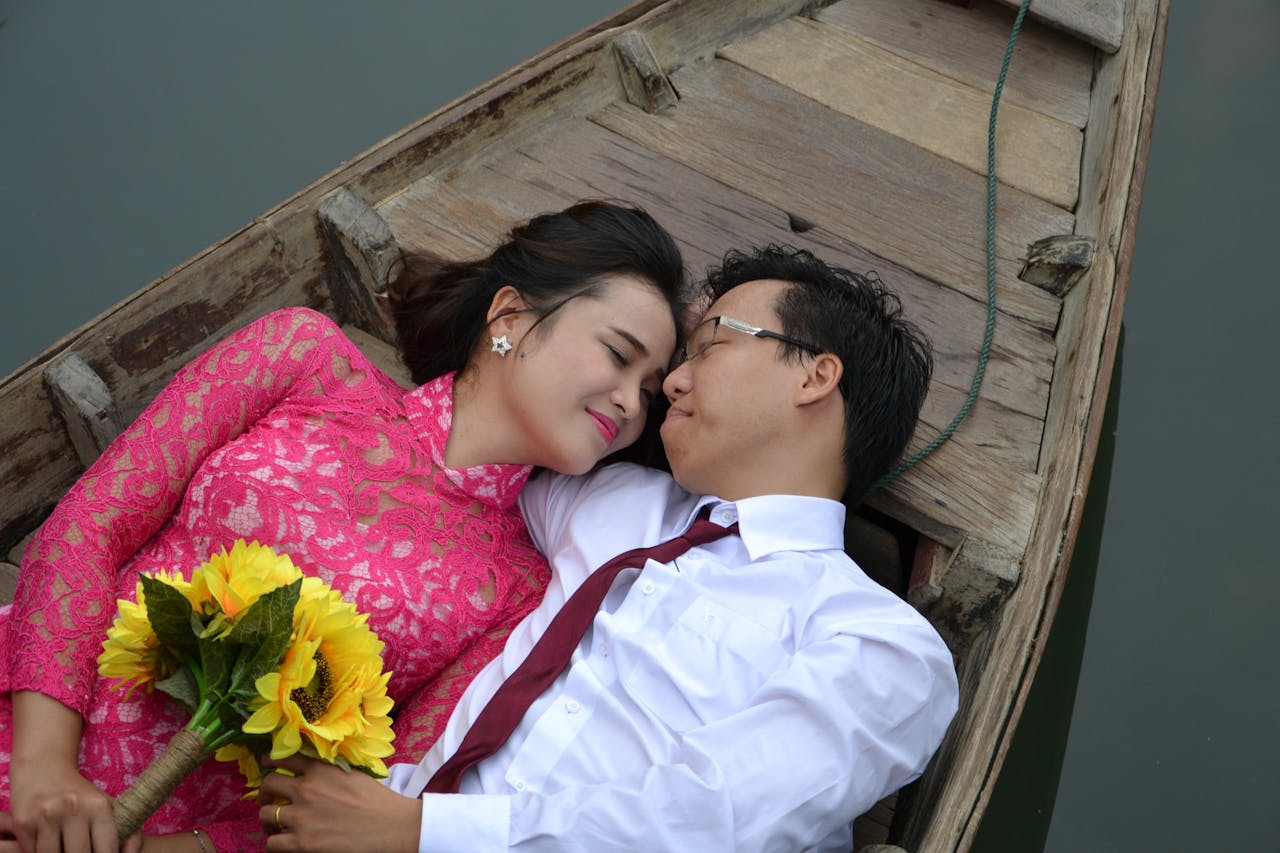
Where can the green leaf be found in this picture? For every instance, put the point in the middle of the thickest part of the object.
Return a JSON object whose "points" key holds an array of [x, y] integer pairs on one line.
{"points": [[182, 686], [170, 615], [268, 618], [216, 658], [266, 628]]}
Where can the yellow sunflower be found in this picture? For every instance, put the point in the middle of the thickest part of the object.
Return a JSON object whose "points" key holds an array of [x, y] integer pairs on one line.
{"points": [[328, 699], [132, 653], [233, 580], [249, 766]]}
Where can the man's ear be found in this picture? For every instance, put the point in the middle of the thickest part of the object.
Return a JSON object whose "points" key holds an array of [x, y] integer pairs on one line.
{"points": [[504, 310], [821, 379]]}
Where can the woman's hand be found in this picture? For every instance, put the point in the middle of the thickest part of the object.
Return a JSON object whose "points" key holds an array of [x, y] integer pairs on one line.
{"points": [[53, 806], [324, 808]]}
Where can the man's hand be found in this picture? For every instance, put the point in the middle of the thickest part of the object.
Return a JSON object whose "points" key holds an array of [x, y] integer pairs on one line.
{"points": [[323, 808]]}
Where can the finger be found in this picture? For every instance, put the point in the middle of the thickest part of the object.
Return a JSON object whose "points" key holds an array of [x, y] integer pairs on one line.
{"points": [[295, 764], [277, 788], [75, 835], [131, 845], [102, 830]]}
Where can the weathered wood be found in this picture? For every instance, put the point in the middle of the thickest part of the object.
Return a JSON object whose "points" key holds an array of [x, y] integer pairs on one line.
{"points": [[704, 213], [137, 346], [1122, 107], [645, 84], [1050, 72], [8, 582], [1034, 152], [905, 204], [362, 250], [433, 216], [1057, 263], [1099, 22], [17, 552], [85, 403], [874, 826], [744, 159], [384, 356], [709, 217]]}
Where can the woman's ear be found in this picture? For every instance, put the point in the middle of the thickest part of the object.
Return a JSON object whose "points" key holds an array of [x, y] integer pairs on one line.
{"points": [[821, 379], [505, 310]]}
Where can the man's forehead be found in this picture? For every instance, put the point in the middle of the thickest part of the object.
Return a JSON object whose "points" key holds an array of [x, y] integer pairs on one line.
{"points": [[752, 302]]}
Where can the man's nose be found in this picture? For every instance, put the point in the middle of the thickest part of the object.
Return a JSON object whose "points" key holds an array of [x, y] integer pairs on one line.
{"points": [[678, 381]]}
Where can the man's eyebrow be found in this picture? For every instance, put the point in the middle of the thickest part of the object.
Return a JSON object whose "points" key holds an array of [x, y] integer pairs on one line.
{"points": [[631, 339]]}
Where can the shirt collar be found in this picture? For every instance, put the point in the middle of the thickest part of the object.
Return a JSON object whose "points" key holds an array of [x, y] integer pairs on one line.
{"points": [[430, 411], [771, 523]]}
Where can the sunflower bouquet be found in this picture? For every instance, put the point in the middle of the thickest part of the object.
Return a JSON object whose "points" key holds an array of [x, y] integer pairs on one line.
{"points": [[265, 659]]}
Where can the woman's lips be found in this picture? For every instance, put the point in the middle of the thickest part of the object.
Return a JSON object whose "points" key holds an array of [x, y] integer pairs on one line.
{"points": [[607, 427]]}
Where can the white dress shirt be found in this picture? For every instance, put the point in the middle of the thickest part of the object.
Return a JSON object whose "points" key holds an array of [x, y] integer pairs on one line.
{"points": [[757, 693]]}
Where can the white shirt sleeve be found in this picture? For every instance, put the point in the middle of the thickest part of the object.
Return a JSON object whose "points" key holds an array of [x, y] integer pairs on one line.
{"points": [[851, 717]]}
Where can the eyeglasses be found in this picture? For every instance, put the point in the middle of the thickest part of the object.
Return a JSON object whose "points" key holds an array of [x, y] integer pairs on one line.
{"points": [[700, 340]]}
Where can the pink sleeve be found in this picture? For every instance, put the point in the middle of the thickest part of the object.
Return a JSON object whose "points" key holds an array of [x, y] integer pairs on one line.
{"points": [[65, 598]]}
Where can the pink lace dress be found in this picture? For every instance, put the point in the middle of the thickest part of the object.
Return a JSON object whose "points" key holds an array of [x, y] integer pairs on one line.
{"points": [[284, 433]]}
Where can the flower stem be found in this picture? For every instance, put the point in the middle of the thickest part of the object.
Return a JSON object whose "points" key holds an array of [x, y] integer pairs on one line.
{"points": [[184, 753]]}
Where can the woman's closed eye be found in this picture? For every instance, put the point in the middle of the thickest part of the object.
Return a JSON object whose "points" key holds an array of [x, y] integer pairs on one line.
{"points": [[618, 356]]}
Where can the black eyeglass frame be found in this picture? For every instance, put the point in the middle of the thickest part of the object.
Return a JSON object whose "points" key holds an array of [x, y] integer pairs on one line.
{"points": [[746, 328]]}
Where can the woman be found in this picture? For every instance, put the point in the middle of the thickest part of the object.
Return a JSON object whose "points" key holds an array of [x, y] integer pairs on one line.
{"points": [[546, 353]]}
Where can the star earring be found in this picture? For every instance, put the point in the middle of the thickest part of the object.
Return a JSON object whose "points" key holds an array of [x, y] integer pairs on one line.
{"points": [[501, 345]]}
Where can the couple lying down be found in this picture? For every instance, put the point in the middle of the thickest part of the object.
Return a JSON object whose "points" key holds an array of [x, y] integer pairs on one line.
{"points": [[750, 690]]}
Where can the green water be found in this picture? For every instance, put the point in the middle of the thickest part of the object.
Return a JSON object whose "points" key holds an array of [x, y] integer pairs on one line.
{"points": [[133, 135]]}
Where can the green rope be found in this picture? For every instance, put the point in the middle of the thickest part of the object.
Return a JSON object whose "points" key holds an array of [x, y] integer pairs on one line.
{"points": [[985, 352]]}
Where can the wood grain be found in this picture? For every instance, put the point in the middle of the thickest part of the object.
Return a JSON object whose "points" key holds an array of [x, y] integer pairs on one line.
{"points": [[1050, 71], [870, 187], [1034, 152]]}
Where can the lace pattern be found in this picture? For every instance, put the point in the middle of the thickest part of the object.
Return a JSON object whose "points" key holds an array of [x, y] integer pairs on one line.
{"points": [[287, 434]]}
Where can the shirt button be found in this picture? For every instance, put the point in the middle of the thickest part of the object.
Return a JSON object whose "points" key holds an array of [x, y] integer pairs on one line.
{"points": [[572, 706], [647, 587], [604, 650], [519, 784]]}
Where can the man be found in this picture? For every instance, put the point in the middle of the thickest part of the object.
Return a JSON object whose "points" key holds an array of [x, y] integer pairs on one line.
{"points": [[757, 692]]}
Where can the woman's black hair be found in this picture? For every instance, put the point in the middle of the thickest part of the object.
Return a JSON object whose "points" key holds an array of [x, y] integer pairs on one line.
{"points": [[440, 306]]}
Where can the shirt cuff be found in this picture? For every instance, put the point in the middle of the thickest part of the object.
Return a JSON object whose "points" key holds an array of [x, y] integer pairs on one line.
{"points": [[464, 823]]}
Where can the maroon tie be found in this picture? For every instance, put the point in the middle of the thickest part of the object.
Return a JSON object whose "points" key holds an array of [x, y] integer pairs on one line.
{"points": [[550, 655]]}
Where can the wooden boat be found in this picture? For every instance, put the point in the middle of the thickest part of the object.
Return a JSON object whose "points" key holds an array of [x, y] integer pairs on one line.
{"points": [[855, 128]]}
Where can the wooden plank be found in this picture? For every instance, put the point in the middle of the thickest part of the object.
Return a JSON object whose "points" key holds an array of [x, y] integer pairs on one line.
{"points": [[361, 252], [8, 582], [136, 346], [384, 355], [1050, 71], [1099, 22], [1034, 152], [1119, 129], [873, 827], [433, 216], [869, 187], [85, 404], [708, 217]]}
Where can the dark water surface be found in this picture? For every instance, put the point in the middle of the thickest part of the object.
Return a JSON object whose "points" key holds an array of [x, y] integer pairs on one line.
{"points": [[132, 135]]}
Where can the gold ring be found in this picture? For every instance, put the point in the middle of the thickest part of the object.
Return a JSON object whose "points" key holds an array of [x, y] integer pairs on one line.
{"points": [[279, 825]]}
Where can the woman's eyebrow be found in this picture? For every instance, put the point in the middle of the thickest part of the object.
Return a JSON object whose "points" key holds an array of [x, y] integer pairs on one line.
{"points": [[631, 339]]}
